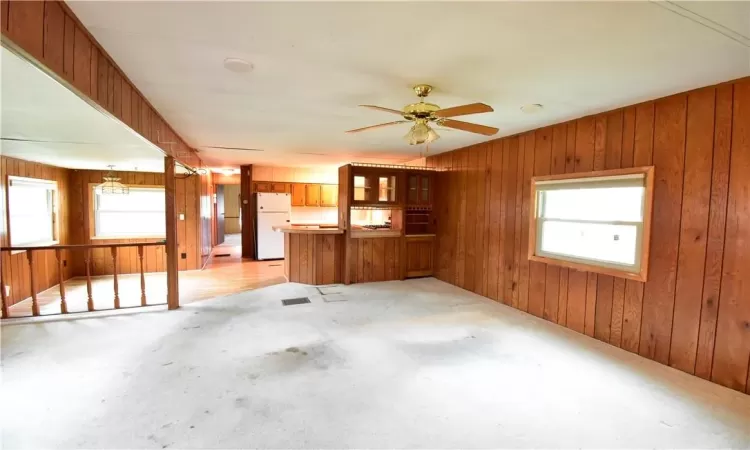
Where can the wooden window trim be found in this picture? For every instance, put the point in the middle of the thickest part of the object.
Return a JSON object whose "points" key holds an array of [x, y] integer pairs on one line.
{"points": [[642, 274], [55, 211], [92, 215]]}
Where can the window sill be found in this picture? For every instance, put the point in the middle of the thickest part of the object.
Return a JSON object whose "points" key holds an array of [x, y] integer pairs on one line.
{"points": [[635, 276], [117, 238]]}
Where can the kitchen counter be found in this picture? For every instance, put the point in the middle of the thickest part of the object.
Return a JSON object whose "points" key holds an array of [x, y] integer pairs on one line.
{"points": [[308, 229], [361, 233]]}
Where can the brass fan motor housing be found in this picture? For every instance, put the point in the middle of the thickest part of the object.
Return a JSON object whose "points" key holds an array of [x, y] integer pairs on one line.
{"points": [[420, 110]]}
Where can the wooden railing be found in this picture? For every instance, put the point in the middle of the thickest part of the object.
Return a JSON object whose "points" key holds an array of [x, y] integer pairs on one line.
{"points": [[86, 248]]}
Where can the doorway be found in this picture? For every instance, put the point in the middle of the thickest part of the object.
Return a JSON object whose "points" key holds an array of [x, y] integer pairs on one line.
{"points": [[228, 222]]}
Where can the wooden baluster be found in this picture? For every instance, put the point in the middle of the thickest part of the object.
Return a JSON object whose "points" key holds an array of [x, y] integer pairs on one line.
{"points": [[114, 266], [90, 302], [61, 281], [143, 278], [34, 303], [4, 305]]}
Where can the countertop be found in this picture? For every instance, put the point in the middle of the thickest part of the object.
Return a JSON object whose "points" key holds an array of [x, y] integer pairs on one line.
{"points": [[308, 229]]}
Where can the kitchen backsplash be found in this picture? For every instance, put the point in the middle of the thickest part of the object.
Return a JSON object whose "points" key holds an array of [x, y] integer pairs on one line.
{"points": [[314, 215]]}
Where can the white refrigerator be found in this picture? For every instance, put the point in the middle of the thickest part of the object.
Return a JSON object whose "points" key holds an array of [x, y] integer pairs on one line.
{"points": [[274, 210]]}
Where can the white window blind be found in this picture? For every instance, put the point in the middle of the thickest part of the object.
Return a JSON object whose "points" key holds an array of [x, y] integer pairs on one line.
{"points": [[31, 210], [597, 221], [137, 214]]}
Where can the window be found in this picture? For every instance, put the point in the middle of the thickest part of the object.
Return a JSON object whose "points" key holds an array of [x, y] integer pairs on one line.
{"points": [[31, 211], [137, 214], [599, 222]]}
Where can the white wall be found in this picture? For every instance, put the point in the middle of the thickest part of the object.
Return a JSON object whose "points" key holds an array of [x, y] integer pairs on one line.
{"points": [[324, 175], [315, 215]]}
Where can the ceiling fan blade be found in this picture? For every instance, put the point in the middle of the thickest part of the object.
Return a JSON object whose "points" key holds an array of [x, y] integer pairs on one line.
{"points": [[473, 108], [380, 108], [470, 127], [357, 130]]}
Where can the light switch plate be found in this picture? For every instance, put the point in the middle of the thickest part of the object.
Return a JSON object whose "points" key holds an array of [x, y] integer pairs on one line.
{"points": [[182, 216]]}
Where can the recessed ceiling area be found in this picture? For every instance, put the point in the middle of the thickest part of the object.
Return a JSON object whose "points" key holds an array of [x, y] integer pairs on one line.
{"points": [[313, 63], [45, 122]]}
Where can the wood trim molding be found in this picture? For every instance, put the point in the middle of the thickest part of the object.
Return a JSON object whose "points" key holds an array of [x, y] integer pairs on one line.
{"points": [[642, 274]]}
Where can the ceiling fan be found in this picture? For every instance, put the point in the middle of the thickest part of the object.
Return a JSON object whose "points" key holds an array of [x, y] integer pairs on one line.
{"points": [[423, 113]]}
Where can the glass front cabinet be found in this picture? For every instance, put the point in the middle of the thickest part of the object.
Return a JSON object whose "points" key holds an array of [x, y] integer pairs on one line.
{"points": [[419, 189], [375, 187]]}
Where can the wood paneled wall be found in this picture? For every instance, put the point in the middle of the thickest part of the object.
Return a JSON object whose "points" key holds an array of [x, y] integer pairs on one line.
{"points": [[188, 193], [16, 267], [206, 212], [375, 259], [693, 313], [49, 32], [313, 258]]}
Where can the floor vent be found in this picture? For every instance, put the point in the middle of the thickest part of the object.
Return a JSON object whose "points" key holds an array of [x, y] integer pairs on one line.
{"points": [[295, 301], [222, 255]]}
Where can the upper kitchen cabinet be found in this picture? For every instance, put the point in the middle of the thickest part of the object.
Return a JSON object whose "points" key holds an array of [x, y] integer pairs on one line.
{"points": [[375, 186], [329, 195], [419, 189], [298, 194], [312, 195]]}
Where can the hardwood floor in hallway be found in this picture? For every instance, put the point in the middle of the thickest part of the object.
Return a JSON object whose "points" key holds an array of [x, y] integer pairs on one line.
{"points": [[222, 275]]}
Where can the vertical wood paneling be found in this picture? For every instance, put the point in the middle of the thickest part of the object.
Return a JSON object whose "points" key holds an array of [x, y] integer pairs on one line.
{"points": [[693, 312], [479, 221], [669, 158], [493, 261], [733, 334], [691, 260], [509, 205], [537, 270], [716, 228], [26, 26], [470, 229], [54, 36]]}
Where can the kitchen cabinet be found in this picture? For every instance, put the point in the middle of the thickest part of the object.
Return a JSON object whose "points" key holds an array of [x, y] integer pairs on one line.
{"points": [[419, 256], [298, 194], [375, 187], [419, 189], [280, 188], [312, 195], [329, 195], [261, 186]]}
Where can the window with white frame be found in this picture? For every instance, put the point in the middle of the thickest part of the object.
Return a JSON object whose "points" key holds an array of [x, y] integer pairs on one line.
{"points": [[597, 222], [140, 213], [31, 211]]}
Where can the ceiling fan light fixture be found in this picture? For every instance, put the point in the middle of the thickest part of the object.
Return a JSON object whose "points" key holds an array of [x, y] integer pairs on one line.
{"points": [[421, 133], [111, 185]]}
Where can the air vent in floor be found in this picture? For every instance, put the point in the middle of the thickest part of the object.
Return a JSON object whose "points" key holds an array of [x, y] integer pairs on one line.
{"points": [[222, 255], [295, 301]]}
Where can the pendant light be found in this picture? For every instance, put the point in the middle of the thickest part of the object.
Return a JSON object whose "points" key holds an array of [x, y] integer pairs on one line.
{"points": [[112, 185]]}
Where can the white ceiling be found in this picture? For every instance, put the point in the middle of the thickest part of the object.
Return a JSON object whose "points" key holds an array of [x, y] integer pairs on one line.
{"points": [[43, 121], [315, 62]]}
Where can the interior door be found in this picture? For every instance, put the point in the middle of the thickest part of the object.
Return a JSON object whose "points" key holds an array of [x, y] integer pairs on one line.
{"points": [[219, 214]]}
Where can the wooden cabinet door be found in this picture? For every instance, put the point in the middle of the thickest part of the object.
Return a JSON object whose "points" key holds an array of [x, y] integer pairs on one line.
{"points": [[419, 256], [298, 194], [329, 195], [425, 190], [412, 189], [312, 195], [262, 186], [280, 188]]}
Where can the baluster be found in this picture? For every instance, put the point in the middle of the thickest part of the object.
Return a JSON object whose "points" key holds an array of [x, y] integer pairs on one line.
{"points": [[34, 303], [143, 278], [4, 305], [114, 265], [90, 302], [61, 281]]}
